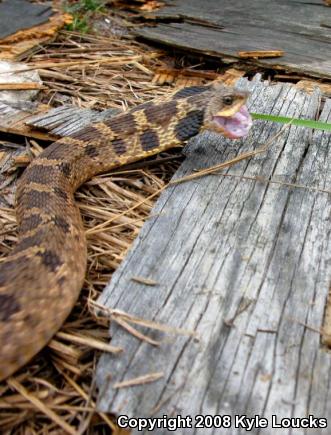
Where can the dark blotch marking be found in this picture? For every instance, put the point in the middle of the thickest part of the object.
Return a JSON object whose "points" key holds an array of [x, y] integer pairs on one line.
{"points": [[39, 174], [87, 133], [8, 307], [61, 223], [35, 198], [190, 125], [119, 146], [161, 114], [91, 150], [50, 259], [122, 124], [61, 193], [149, 140], [65, 168], [9, 269], [31, 241], [30, 223], [55, 151], [190, 91], [141, 107]]}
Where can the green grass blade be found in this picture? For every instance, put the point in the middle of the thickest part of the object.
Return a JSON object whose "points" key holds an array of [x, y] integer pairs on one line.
{"points": [[294, 121]]}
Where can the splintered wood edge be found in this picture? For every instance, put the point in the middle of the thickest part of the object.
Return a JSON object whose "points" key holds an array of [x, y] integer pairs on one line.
{"points": [[326, 330]]}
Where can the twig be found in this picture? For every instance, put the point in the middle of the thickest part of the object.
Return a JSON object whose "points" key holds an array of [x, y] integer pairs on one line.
{"points": [[140, 380]]}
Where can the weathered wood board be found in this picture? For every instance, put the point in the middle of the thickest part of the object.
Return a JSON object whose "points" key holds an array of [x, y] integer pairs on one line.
{"points": [[223, 28], [33, 120], [246, 265], [13, 119], [21, 14], [67, 120]]}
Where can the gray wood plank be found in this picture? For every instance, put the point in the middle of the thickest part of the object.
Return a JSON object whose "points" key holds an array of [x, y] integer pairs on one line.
{"points": [[17, 15], [222, 28], [244, 264], [67, 120]]}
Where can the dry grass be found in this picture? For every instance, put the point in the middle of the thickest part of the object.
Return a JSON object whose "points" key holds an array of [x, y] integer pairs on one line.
{"points": [[95, 72], [55, 392]]}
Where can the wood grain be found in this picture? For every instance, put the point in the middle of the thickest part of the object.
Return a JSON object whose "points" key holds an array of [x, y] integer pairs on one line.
{"points": [[246, 266], [223, 28]]}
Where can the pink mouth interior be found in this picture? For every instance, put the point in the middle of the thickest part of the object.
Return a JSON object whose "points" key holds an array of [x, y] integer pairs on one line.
{"points": [[235, 126]]}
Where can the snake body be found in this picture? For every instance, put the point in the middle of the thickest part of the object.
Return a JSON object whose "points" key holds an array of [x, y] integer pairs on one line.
{"points": [[41, 278]]}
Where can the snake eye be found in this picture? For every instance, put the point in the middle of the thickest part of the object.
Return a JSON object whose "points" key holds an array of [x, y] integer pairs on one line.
{"points": [[227, 100]]}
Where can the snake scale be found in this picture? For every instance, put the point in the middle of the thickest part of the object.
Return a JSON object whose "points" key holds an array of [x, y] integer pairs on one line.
{"points": [[41, 278]]}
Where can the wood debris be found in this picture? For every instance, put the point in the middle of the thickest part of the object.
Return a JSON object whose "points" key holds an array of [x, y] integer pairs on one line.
{"points": [[133, 331], [310, 85], [191, 77], [14, 47], [260, 54], [13, 120], [151, 5], [128, 318], [145, 281], [144, 379], [20, 86]]}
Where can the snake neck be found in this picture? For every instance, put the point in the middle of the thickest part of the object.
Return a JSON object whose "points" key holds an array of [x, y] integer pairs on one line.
{"points": [[50, 180], [146, 130]]}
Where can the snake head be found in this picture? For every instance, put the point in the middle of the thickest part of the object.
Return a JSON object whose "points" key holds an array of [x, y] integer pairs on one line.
{"points": [[226, 112]]}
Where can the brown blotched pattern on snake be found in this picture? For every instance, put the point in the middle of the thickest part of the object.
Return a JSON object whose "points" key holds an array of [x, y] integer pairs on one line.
{"points": [[41, 278]]}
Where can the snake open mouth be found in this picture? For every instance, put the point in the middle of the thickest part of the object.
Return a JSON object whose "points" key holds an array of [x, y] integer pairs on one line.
{"points": [[234, 126]]}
